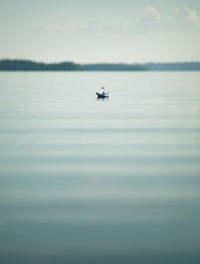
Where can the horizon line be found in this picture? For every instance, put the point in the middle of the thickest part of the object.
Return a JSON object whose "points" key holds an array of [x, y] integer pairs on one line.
{"points": [[129, 63]]}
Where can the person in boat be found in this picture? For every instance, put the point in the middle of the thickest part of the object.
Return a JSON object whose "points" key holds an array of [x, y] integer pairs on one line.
{"points": [[103, 93]]}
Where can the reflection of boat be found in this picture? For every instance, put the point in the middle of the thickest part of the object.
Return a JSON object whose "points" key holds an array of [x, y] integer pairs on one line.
{"points": [[102, 95]]}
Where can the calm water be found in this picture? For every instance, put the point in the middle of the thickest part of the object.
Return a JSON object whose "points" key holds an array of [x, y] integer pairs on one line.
{"points": [[100, 182]]}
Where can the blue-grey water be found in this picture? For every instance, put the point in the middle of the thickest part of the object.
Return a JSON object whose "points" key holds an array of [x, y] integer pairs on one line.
{"points": [[99, 182]]}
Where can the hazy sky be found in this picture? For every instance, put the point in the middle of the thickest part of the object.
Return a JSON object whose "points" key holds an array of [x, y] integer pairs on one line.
{"points": [[100, 31]]}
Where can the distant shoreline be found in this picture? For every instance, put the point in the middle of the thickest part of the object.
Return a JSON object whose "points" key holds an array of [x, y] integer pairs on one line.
{"points": [[28, 65]]}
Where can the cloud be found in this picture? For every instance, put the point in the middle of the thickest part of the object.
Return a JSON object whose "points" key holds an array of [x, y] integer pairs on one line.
{"points": [[153, 12], [192, 15]]}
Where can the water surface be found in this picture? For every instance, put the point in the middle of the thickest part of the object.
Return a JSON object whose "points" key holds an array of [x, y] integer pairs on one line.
{"points": [[99, 181]]}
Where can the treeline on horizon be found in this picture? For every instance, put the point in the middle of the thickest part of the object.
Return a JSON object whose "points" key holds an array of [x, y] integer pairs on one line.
{"points": [[28, 65]]}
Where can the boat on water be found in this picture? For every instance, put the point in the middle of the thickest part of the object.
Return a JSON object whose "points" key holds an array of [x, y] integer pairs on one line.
{"points": [[102, 95]]}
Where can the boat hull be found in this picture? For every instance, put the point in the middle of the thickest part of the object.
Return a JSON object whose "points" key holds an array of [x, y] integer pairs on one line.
{"points": [[101, 95]]}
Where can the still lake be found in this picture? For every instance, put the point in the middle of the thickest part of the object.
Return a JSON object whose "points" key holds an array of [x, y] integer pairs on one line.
{"points": [[92, 181]]}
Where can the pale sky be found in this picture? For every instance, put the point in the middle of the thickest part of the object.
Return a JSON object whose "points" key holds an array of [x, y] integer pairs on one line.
{"points": [[87, 31]]}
